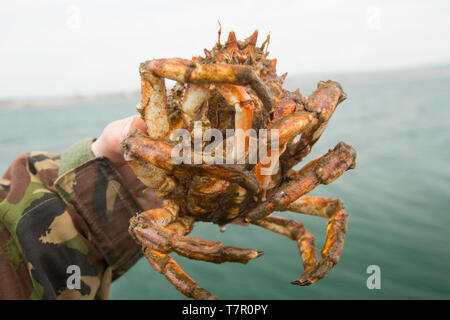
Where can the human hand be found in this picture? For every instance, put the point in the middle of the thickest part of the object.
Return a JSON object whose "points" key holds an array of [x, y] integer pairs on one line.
{"points": [[108, 145]]}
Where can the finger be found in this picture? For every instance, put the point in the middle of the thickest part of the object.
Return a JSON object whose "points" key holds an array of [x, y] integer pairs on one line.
{"points": [[108, 144], [132, 124]]}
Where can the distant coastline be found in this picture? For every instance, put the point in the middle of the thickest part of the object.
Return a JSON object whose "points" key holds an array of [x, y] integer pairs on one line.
{"points": [[410, 74], [292, 80], [68, 100]]}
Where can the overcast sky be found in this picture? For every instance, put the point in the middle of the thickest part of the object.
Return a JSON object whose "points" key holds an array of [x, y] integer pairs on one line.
{"points": [[65, 47]]}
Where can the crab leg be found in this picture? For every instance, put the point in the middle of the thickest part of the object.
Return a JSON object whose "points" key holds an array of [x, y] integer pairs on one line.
{"points": [[193, 99], [334, 211], [160, 232], [183, 70], [322, 102], [153, 104], [152, 108], [159, 154], [149, 229], [166, 241], [152, 176], [315, 206], [162, 262], [239, 98], [288, 127], [332, 250], [297, 232], [323, 170]]}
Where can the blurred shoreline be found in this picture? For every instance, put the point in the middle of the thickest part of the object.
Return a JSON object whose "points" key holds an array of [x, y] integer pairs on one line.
{"points": [[410, 74], [81, 99]]}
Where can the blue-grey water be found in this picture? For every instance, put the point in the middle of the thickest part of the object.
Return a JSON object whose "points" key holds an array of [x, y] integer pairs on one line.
{"points": [[398, 198]]}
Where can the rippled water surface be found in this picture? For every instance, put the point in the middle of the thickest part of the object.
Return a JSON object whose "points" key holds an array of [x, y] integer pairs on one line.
{"points": [[398, 198]]}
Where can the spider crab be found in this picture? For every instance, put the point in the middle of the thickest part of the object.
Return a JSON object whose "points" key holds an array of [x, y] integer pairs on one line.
{"points": [[233, 86]]}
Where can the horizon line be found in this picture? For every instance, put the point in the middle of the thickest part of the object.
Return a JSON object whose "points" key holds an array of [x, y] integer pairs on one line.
{"points": [[414, 73]]}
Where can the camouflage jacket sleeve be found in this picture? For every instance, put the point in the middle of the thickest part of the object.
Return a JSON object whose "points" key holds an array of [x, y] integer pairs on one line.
{"points": [[56, 227]]}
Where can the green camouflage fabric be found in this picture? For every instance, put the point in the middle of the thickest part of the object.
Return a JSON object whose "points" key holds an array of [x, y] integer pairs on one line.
{"points": [[49, 223]]}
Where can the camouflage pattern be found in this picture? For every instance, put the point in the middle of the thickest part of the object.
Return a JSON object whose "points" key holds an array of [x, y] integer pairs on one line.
{"points": [[48, 223]]}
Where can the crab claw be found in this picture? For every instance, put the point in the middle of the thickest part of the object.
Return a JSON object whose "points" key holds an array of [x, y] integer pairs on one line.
{"points": [[325, 99], [304, 283]]}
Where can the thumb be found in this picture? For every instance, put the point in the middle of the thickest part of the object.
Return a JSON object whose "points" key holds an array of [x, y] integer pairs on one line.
{"points": [[132, 124], [108, 144]]}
